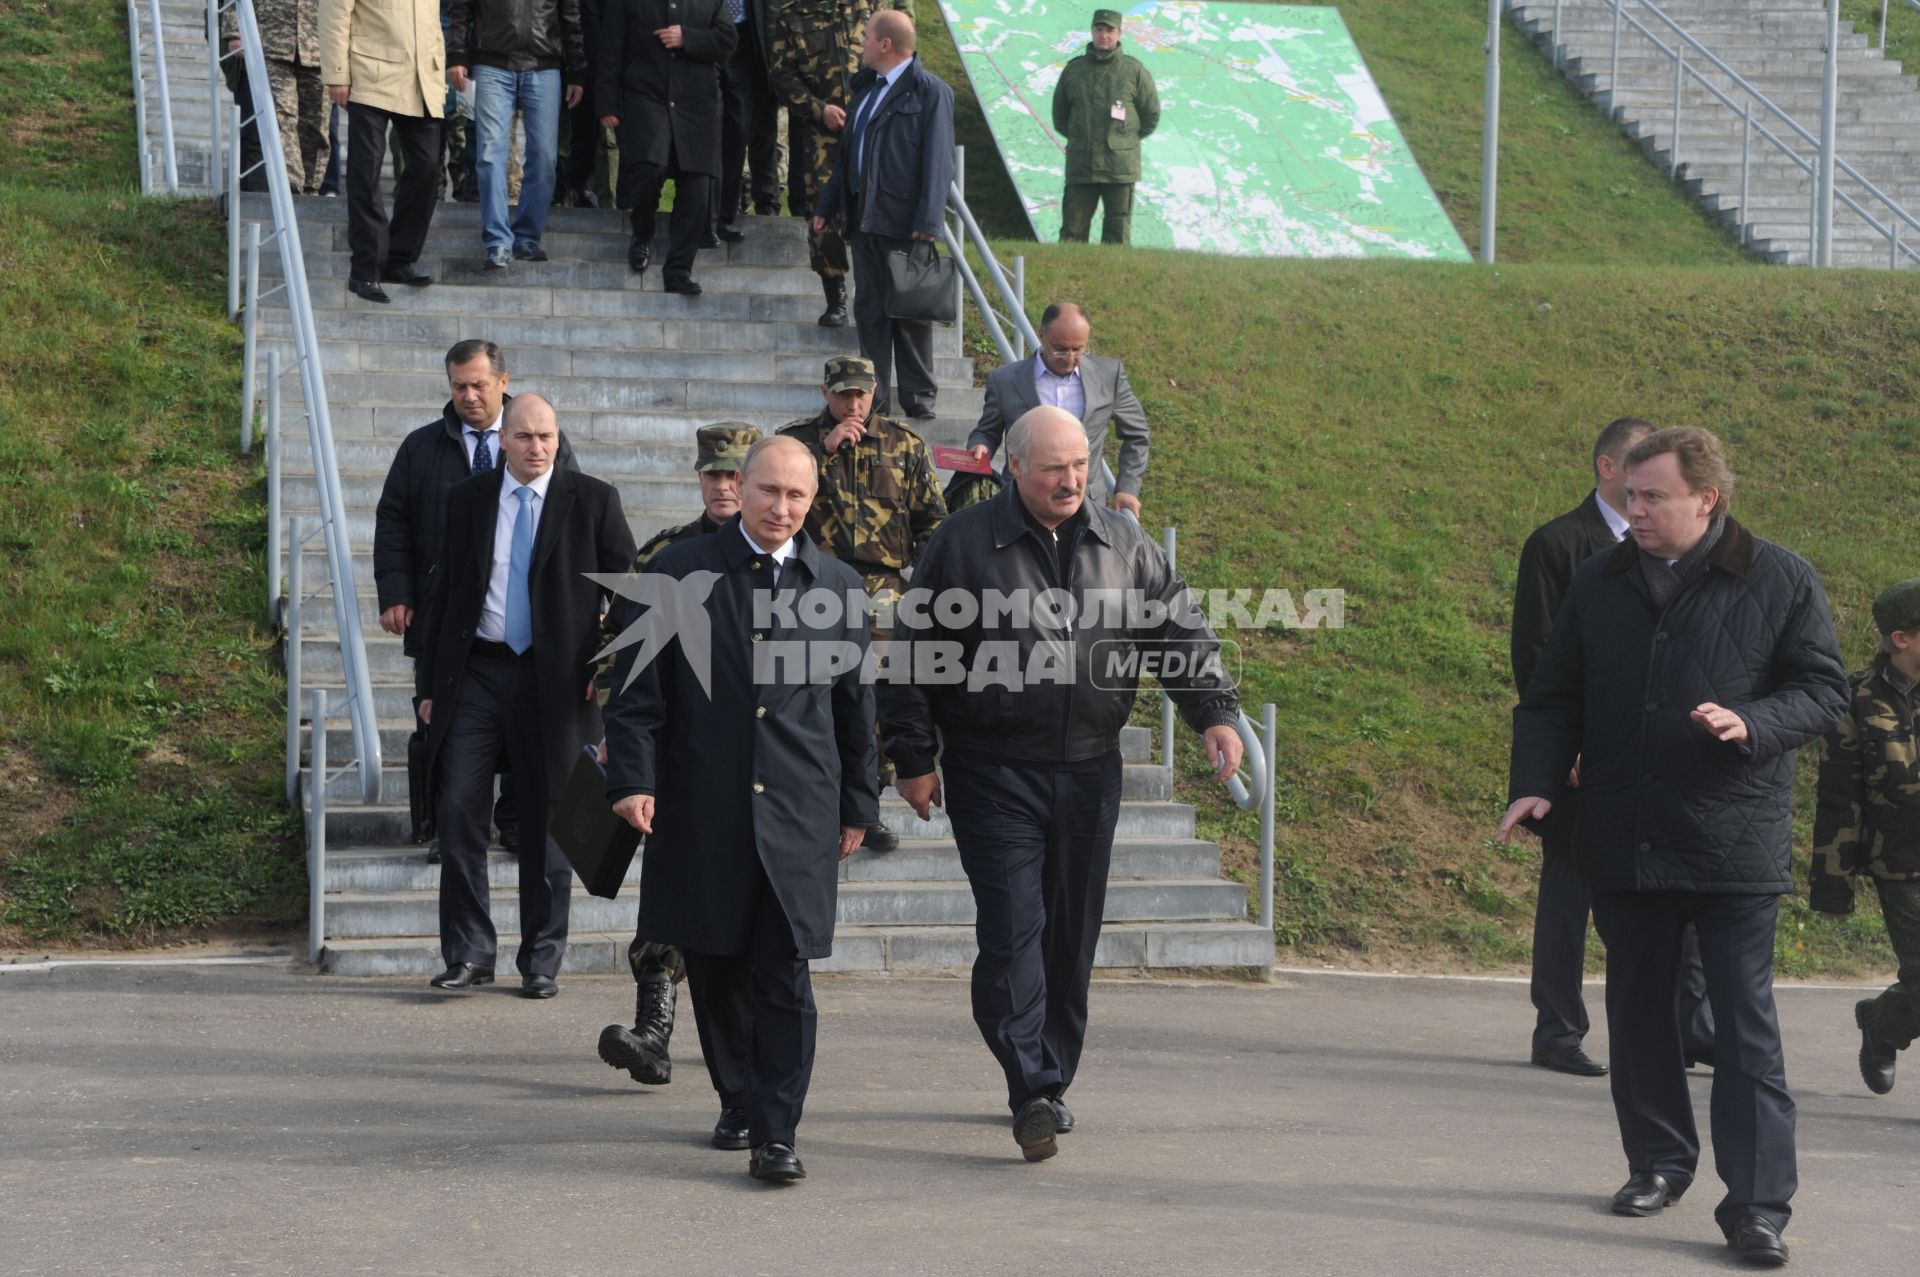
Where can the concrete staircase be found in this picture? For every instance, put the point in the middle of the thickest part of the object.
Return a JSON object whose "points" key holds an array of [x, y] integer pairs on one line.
{"points": [[632, 371], [1777, 46], [183, 25]]}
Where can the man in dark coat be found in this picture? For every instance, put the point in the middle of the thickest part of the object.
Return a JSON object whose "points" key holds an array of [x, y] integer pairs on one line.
{"points": [[410, 523], [658, 83], [1034, 769], [749, 141], [889, 191], [759, 751], [1547, 563], [513, 624], [1684, 670]]}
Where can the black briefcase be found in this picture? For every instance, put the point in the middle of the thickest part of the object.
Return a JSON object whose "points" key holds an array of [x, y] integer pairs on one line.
{"points": [[419, 806], [598, 844], [922, 285]]}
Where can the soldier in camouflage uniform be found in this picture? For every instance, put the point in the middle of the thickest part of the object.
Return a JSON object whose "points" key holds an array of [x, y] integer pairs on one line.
{"points": [[877, 504], [813, 55], [290, 37], [1867, 820], [642, 1050]]}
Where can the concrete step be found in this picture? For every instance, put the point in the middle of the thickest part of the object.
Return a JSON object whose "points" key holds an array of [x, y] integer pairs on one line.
{"points": [[604, 393], [387, 870], [393, 422], [1127, 946], [361, 490], [640, 300], [381, 325], [769, 244], [356, 915]]}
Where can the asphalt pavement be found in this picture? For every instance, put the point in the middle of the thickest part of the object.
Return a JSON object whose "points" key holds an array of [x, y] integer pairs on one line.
{"points": [[236, 1119]]}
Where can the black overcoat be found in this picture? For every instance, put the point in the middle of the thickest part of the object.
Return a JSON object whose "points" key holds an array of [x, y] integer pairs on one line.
{"points": [[582, 529], [667, 100], [1664, 805], [762, 775]]}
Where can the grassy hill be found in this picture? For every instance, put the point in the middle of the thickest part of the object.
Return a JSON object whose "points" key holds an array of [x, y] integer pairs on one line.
{"points": [[1392, 430]]}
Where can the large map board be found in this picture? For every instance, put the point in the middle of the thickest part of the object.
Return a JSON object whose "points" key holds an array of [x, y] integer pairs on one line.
{"points": [[1273, 141]]}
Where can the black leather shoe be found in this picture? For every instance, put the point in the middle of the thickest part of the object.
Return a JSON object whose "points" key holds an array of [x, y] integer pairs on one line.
{"points": [[1034, 1127], [462, 975], [510, 838], [731, 234], [1064, 1124], [923, 412], [1758, 1242], [685, 287], [1570, 1059], [776, 1164], [539, 986], [709, 240], [405, 275], [639, 255], [433, 852], [1647, 1194], [880, 838], [730, 1131], [1876, 1053], [366, 290], [529, 250]]}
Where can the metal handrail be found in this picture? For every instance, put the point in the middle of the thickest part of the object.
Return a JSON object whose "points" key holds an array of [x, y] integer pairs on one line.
{"points": [[285, 237], [1882, 46], [1683, 69]]}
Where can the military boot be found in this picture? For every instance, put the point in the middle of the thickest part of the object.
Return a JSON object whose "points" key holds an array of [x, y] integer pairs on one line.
{"points": [[835, 315], [642, 1050]]}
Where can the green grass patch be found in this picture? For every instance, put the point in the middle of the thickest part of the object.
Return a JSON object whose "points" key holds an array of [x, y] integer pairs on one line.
{"points": [[139, 696]]}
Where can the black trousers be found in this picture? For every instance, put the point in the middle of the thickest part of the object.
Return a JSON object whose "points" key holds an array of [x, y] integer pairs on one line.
{"points": [[748, 113], [691, 196], [1036, 845], [1751, 1112], [497, 713], [375, 244], [899, 348], [757, 1022], [580, 126]]}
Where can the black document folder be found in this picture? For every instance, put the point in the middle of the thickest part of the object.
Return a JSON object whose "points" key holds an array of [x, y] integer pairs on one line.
{"points": [[596, 842]]}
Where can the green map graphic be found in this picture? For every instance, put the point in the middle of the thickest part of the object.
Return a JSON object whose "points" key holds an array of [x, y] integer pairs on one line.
{"points": [[1273, 141]]}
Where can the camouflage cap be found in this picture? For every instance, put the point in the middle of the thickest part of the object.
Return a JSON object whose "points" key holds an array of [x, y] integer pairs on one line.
{"points": [[849, 372], [723, 445], [1107, 18], [1898, 607]]}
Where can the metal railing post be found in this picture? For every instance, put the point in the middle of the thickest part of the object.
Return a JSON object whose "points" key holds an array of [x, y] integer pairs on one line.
{"points": [[1490, 136], [214, 154], [1613, 67], [1020, 300], [170, 163], [1829, 111], [1679, 79], [233, 220], [139, 99], [1746, 172], [1893, 246], [1883, 26], [317, 832], [273, 486], [294, 586], [1559, 59], [250, 343], [1170, 541], [959, 286], [1270, 731]]}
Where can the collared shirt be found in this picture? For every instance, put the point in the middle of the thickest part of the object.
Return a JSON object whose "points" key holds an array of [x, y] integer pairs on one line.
{"points": [[1616, 522], [493, 612], [1068, 392], [469, 434], [778, 558], [871, 108]]}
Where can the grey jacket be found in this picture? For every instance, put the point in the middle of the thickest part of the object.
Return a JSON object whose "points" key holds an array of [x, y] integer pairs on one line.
{"points": [[1110, 402]]}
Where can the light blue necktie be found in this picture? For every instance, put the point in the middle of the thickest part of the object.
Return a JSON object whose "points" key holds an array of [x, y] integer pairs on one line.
{"points": [[519, 602]]}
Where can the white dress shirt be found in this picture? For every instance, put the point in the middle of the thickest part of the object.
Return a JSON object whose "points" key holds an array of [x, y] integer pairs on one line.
{"points": [[468, 434], [871, 108], [493, 612], [1616, 522], [1067, 392], [778, 557]]}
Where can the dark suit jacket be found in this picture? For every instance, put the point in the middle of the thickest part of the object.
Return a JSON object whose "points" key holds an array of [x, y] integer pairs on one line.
{"points": [[667, 100], [1547, 564], [762, 774], [1110, 402], [907, 170], [582, 529]]}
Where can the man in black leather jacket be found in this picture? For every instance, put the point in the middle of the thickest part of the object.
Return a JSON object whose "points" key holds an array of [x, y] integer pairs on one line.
{"points": [[1031, 738]]}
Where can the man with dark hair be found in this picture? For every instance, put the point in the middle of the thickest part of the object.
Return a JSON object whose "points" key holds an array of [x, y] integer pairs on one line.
{"points": [[538, 534], [1684, 670], [1092, 387], [409, 524], [889, 192]]}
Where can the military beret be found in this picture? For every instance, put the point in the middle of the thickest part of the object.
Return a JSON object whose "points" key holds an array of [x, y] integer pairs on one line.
{"points": [[1898, 607], [723, 445], [849, 372], [1107, 18]]}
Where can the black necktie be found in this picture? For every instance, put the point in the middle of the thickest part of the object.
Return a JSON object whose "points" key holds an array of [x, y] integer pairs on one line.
{"points": [[482, 458]]}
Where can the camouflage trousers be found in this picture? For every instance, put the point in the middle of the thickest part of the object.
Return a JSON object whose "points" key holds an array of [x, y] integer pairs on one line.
{"points": [[884, 587], [300, 106], [814, 149], [1077, 203], [649, 957], [456, 150], [1896, 1012]]}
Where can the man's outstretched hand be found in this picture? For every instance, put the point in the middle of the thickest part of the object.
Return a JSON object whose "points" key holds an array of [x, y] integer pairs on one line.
{"points": [[1522, 809]]}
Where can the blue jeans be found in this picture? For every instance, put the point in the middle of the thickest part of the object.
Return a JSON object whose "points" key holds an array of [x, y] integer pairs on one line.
{"points": [[536, 94]]}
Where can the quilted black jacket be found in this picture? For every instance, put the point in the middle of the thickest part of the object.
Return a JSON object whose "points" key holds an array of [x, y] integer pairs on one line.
{"points": [[1664, 806]]}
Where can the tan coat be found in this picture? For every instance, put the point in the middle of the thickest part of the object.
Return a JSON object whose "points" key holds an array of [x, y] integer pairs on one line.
{"points": [[388, 52]]}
